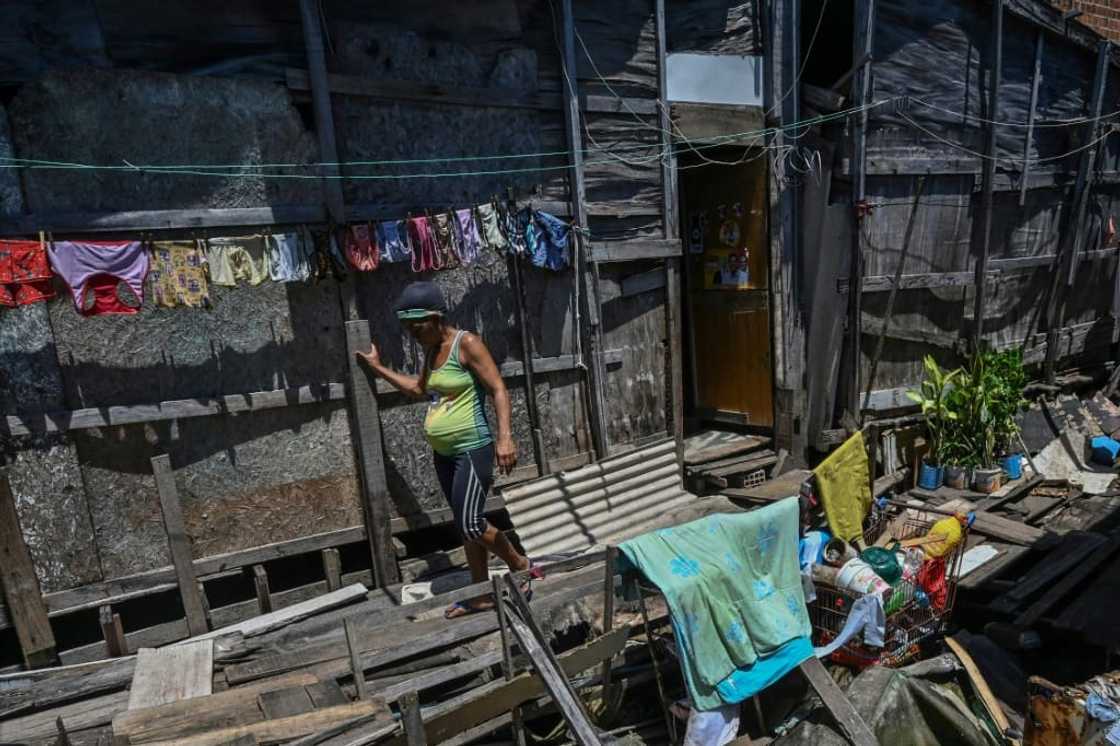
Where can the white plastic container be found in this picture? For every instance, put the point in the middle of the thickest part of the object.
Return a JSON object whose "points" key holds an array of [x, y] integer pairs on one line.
{"points": [[858, 577]]}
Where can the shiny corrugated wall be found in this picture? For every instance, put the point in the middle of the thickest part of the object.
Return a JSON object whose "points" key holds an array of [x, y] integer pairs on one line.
{"points": [[606, 502]]}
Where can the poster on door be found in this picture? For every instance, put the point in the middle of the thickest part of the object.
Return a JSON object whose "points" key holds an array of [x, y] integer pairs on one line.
{"points": [[727, 261]]}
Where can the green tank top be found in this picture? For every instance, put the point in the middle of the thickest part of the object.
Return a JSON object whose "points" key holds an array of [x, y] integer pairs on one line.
{"points": [[456, 421]]}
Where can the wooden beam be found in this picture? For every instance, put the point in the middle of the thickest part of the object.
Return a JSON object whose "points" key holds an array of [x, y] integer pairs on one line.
{"points": [[179, 544], [1032, 114], [321, 103], [21, 586], [264, 593], [982, 238], [355, 658], [636, 249], [586, 271], [540, 456], [283, 729], [113, 632], [863, 48], [332, 568], [366, 432], [889, 311], [1075, 231], [433, 93], [851, 723], [171, 674], [991, 704], [411, 721]]}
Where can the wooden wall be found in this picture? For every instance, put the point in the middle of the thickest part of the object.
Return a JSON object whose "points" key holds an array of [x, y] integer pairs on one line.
{"points": [[430, 80]]}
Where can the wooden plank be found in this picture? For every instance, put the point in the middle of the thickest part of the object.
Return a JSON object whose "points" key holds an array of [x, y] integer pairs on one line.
{"points": [[1075, 548], [332, 568], [1071, 580], [917, 281], [310, 22], [411, 720], [540, 455], [851, 723], [91, 712], [643, 282], [492, 700], [171, 674], [761, 462], [366, 432], [178, 544], [144, 220], [260, 585], [586, 273], [983, 235], [282, 703], [268, 622], [113, 631], [636, 249], [888, 312], [715, 453], [980, 684], [434, 93], [22, 594], [327, 694], [355, 659], [236, 706], [282, 729], [862, 48], [1032, 113]]}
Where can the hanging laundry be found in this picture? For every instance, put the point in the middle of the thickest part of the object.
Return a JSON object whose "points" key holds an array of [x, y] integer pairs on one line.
{"points": [[178, 274], [25, 273], [234, 260], [94, 270], [425, 253], [515, 224], [392, 239], [470, 240], [362, 248], [443, 227], [328, 258], [547, 241], [289, 257], [490, 221], [843, 481]]}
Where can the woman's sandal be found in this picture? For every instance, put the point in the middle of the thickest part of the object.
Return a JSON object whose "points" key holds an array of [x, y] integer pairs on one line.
{"points": [[466, 608]]}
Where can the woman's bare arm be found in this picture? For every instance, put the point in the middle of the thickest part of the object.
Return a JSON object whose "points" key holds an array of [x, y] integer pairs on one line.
{"points": [[474, 355], [413, 386]]}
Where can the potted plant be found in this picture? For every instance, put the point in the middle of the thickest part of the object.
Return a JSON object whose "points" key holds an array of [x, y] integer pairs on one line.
{"points": [[931, 396], [985, 394], [956, 444], [1008, 379]]}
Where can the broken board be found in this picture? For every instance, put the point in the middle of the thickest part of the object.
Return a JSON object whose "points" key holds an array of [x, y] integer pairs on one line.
{"points": [[172, 673]]}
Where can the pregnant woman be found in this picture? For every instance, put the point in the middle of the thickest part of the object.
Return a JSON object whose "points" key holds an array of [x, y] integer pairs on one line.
{"points": [[458, 370]]}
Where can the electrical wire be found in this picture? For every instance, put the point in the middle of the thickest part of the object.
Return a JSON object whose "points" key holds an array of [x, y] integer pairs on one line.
{"points": [[1042, 124]]}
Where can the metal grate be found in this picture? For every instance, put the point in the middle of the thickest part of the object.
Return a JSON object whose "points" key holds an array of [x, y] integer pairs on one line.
{"points": [[755, 478]]}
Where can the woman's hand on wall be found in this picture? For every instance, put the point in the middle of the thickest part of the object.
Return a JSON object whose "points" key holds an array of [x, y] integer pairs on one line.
{"points": [[506, 453]]}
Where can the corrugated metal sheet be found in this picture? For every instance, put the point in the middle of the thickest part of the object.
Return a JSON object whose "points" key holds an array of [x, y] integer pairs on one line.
{"points": [[605, 502]]}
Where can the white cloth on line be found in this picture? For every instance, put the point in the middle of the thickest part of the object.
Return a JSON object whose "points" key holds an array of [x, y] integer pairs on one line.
{"points": [[866, 615]]}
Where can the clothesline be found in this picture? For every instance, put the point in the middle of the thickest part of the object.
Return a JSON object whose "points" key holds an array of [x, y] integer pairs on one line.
{"points": [[181, 271]]}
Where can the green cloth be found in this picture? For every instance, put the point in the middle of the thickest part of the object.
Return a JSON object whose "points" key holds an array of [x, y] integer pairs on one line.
{"points": [[456, 420], [733, 585], [413, 314]]}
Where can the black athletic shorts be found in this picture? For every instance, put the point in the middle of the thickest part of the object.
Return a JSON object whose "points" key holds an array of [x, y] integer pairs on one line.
{"points": [[466, 481]]}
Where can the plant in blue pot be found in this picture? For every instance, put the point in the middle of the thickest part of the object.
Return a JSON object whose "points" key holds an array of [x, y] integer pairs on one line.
{"points": [[932, 397]]}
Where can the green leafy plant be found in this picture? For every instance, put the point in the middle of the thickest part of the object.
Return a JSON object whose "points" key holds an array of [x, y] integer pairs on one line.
{"points": [[981, 406], [932, 397]]}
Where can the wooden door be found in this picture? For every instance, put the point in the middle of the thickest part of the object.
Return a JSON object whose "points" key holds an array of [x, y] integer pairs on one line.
{"points": [[728, 292]]}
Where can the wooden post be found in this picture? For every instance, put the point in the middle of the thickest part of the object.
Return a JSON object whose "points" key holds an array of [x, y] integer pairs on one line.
{"points": [[608, 611], [366, 431], [355, 652], [888, 312], [1031, 114], [264, 593], [531, 407], [670, 227], [21, 586], [989, 177], [63, 736], [113, 631], [497, 585], [592, 333], [178, 544], [851, 723], [1070, 253], [321, 103], [412, 720], [332, 568], [861, 96]]}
